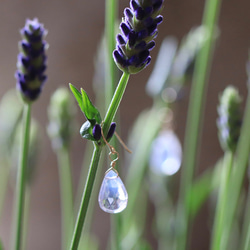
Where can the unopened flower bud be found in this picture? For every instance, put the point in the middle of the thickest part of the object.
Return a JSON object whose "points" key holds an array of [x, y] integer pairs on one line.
{"points": [[229, 120], [61, 114], [31, 61]]}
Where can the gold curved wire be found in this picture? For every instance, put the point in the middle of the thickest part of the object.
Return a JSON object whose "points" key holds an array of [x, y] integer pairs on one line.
{"points": [[112, 152]]}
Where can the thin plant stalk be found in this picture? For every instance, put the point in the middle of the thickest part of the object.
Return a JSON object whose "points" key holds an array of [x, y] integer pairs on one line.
{"points": [[245, 238], [110, 74], [66, 188], [85, 237], [86, 197], [110, 77], [4, 178], [82, 179], [26, 216], [238, 173], [21, 178], [115, 102], [194, 120], [221, 204]]}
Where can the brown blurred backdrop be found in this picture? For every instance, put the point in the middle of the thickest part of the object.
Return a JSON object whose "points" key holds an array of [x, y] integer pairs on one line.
{"points": [[75, 28]]}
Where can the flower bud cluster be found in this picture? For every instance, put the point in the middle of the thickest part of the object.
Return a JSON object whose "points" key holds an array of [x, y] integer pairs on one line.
{"points": [[229, 120], [31, 62], [139, 28]]}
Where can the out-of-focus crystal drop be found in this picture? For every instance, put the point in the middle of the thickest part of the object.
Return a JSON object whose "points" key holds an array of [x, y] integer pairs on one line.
{"points": [[166, 154], [113, 196]]}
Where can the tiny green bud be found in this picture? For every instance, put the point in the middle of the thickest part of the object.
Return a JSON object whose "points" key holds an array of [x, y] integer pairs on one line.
{"points": [[229, 120], [86, 131], [61, 114]]}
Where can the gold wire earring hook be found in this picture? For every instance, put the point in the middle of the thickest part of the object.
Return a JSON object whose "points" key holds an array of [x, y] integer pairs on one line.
{"points": [[112, 151]]}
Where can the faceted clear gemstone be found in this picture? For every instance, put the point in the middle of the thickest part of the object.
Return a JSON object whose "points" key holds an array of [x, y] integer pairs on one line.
{"points": [[113, 196]]}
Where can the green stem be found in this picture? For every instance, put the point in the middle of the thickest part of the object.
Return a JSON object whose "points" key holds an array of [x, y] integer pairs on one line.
{"points": [[85, 198], [4, 178], [110, 20], [110, 77], [86, 234], [238, 173], [66, 195], [26, 216], [221, 203], [21, 177], [84, 172], [193, 128], [115, 102], [247, 241], [245, 238]]}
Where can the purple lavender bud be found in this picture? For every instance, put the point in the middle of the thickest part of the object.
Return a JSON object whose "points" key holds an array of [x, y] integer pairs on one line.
{"points": [[111, 130], [97, 132], [139, 13], [125, 29], [150, 45], [31, 61], [134, 5], [148, 10], [157, 5], [120, 39], [139, 28], [128, 13], [120, 61], [142, 34], [132, 39], [141, 46], [158, 19]]}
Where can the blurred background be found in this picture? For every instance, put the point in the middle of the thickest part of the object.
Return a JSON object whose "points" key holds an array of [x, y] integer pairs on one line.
{"points": [[74, 32]]}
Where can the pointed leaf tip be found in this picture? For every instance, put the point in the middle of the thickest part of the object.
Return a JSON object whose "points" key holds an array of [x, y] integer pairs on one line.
{"points": [[90, 111], [77, 96]]}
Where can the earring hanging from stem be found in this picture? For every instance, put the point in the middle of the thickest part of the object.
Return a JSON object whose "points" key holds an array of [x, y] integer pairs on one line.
{"points": [[113, 196]]}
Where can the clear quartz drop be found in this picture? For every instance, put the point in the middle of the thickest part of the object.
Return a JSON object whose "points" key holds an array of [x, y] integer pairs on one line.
{"points": [[113, 196]]}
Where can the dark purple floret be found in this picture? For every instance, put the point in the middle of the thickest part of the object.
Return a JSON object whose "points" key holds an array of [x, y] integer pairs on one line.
{"points": [[134, 5], [158, 19], [111, 130], [125, 29], [141, 46], [119, 59], [31, 61], [150, 45], [120, 39], [128, 13], [97, 134], [139, 13], [132, 39]]}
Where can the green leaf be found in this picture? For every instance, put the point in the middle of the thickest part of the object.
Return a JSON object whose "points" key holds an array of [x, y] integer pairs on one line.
{"points": [[90, 111], [77, 95]]}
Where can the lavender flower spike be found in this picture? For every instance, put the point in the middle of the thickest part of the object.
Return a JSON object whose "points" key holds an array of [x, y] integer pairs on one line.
{"points": [[139, 28], [31, 61]]}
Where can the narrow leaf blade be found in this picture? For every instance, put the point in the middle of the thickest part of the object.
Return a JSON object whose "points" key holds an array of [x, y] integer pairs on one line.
{"points": [[90, 111], [77, 95]]}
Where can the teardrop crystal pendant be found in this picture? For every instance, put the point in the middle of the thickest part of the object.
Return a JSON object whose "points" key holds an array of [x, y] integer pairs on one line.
{"points": [[113, 196]]}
